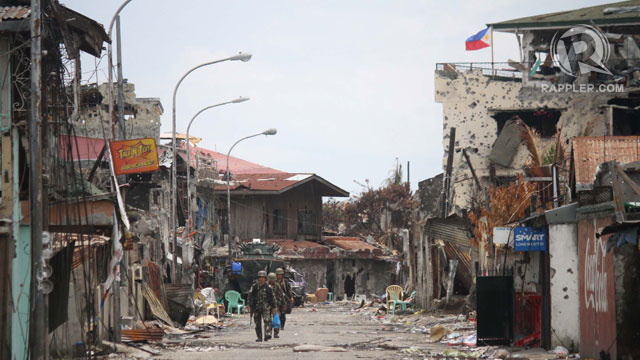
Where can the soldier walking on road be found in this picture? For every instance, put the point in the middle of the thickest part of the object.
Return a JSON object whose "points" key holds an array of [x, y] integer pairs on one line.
{"points": [[281, 302], [261, 305], [286, 289]]}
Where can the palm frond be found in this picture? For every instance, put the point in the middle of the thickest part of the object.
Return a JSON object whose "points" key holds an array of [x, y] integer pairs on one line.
{"points": [[532, 141]]}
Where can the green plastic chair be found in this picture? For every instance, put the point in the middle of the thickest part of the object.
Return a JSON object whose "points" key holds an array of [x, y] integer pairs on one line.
{"points": [[235, 300], [403, 304]]}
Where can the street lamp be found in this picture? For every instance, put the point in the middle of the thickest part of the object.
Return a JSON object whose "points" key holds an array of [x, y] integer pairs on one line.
{"points": [[110, 67], [242, 57], [236, 101], [266, 132], [116, 244]]}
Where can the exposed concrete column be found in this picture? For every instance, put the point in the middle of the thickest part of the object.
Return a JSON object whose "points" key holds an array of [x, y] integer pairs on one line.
{"points": [[528, 53]]}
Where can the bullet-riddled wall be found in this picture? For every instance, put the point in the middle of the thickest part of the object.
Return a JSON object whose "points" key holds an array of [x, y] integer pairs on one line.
{"points": [[472, 103]]}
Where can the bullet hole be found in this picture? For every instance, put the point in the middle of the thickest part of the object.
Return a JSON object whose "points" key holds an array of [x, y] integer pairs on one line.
{"points": [[565, 289], [473, 105], [566, 296], [570, 271]]}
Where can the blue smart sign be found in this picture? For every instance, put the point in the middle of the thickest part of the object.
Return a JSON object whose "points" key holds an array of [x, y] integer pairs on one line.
{"points": [[528, 239]]}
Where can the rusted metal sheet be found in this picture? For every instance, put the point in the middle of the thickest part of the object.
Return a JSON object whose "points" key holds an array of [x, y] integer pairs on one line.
{"points": [[155, 282], [597, 290], [148, 334], [156, 306], [454, 230], [464, 274], [591, 151]]}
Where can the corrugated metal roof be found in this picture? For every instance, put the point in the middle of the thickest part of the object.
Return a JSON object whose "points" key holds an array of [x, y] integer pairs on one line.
{"points": [[236, 165], [588, 15], [14, 12], [591, 151], [452, 230], [350, 243], [279, 183]]}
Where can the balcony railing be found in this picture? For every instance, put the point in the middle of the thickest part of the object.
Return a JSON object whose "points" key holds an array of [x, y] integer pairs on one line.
{"points": [[496, 70]]}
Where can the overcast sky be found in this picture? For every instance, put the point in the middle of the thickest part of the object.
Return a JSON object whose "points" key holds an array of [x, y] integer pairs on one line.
{"points": [[348, 84]]}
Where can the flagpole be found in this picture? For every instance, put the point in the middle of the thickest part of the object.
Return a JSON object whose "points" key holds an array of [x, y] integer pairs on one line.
{"points": [[493, 72]]}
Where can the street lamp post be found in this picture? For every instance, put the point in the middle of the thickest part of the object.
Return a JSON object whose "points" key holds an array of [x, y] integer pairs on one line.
{"points": [[228, 175], [172, 216], [236, 101], [116, 283], [110, 70]]}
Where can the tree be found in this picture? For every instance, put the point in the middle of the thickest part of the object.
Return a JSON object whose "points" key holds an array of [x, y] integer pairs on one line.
{"points": [[362, 213], [506, 204]]}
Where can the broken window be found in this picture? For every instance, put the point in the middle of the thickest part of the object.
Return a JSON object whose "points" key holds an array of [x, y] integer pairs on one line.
{"points": [[544, 121], [279, 221], [306, 222], [626, 122]]}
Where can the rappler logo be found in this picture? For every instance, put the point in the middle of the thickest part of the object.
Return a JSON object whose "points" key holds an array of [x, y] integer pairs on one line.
{"points": [[580, 50]]}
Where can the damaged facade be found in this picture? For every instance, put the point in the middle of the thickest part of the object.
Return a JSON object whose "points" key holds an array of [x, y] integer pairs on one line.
{"points": [[142, 115], [562, 134]]}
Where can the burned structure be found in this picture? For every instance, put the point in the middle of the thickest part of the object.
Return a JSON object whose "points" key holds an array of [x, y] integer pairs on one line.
{"points": [[142, 115]]}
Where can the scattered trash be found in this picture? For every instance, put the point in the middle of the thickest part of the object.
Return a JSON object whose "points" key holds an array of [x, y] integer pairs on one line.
{"points": [[411, 350], [501, 354], [470, 340], [205, 320], [561, 352]]}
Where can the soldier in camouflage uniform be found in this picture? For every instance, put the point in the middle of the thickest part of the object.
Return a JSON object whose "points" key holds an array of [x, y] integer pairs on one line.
{"points": [[261, 305], [281, 302], [286, 289]]}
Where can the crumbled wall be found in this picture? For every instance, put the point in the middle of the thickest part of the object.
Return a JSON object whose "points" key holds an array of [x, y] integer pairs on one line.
{"points": [[149, 216], [142, 115], [469, 99], [371, 276]]}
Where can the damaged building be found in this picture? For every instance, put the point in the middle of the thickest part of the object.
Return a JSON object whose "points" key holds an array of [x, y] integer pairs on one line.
{"points": [[571, 135], [142, 115], [487, 104]]}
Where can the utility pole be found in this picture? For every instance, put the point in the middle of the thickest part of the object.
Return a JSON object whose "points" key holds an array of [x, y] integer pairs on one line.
{"points": [[116, 235], [120, 81], [38, 334], [446, 207], [409, 174]]}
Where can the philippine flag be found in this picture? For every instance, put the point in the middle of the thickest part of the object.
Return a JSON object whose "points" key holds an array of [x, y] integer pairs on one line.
{"points": [[478, 41]]}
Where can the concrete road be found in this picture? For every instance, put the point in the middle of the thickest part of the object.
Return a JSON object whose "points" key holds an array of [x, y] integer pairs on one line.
{"points": [[337, 327]]}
